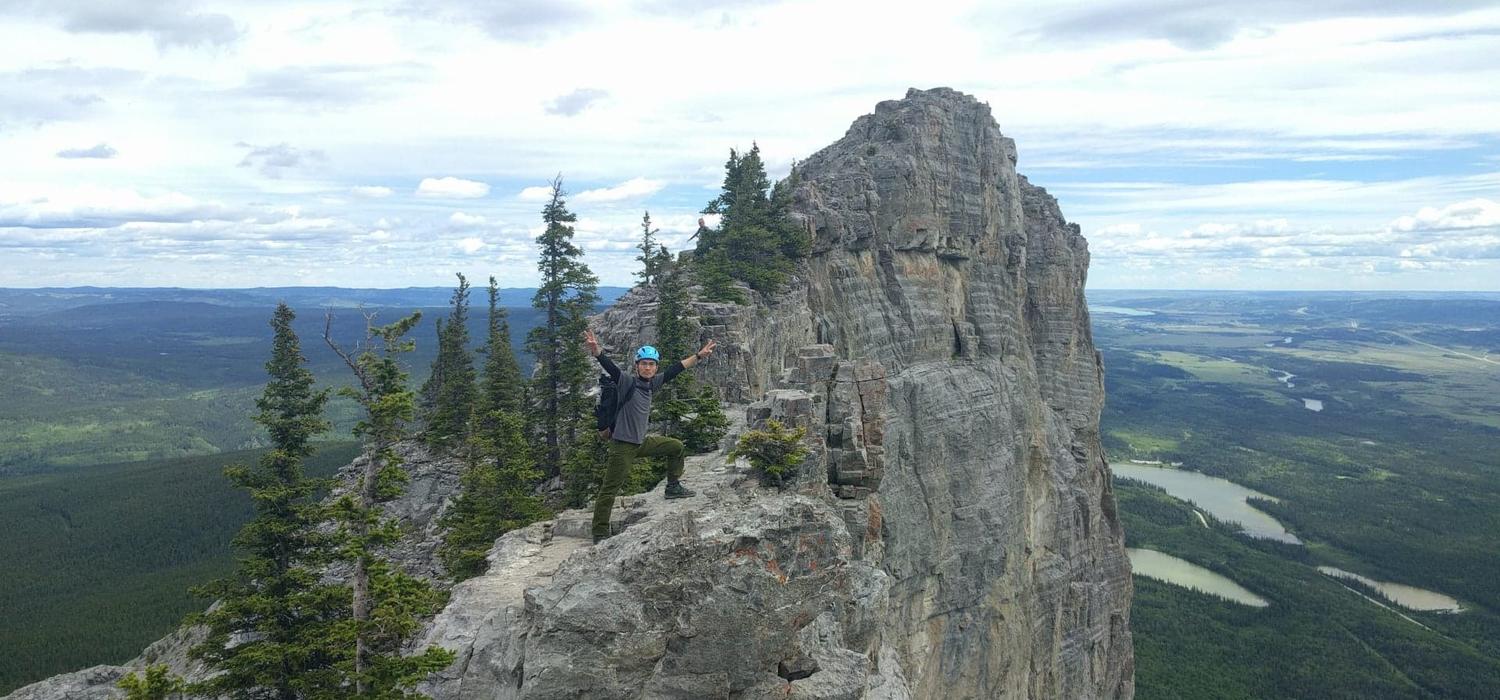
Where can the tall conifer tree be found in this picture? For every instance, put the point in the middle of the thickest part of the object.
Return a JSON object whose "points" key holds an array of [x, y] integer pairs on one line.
{"points": [[567, 295], [386, 601], [687, 410], [498, 486], [449, 391], [650, 257], [267, 633], [502, 387]]}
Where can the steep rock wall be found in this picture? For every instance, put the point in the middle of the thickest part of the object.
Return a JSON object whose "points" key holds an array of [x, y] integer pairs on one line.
{"points": [[935, 259]]}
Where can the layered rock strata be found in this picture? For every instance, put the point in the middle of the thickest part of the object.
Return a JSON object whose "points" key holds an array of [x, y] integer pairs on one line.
{"points": [[935, 259]]}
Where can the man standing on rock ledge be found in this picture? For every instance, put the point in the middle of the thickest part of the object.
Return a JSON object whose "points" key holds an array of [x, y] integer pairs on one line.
{"points": [[628, 439]]}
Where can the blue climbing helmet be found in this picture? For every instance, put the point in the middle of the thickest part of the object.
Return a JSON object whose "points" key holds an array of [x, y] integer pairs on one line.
{"points": [[647, 352]]}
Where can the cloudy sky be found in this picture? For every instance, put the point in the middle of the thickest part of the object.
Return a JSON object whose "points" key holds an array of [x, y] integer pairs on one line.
{"points": [[1280, 144]]}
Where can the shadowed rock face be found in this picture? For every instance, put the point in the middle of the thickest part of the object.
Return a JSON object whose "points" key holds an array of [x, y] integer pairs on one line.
{"points": [[935, 259], [952, 534]]}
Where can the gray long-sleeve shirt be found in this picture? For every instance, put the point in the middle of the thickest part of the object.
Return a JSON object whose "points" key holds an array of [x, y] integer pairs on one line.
{"points": [[634, 417]]}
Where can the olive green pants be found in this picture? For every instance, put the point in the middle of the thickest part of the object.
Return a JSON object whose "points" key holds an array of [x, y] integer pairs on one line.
{"points": [[621, 456]]}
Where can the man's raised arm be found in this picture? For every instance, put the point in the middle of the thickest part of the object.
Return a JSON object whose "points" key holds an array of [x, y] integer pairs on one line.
{"points": [[689, 361], [591, 346]]}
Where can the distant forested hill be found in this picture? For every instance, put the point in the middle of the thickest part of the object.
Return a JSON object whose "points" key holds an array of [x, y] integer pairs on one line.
{"points": [[98, 375], [29, 302]]}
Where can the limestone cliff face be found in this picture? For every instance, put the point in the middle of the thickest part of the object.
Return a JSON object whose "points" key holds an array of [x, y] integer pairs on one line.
{"points": [[935, 259], [952, 533]]}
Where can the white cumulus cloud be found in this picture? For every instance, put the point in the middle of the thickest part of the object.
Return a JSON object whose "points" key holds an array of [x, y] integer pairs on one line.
{"points": [[539, 193], [629, 189], [1473, 213], [471, 245], [466, 220], [451, 188], [372, 191], [91, 206]]}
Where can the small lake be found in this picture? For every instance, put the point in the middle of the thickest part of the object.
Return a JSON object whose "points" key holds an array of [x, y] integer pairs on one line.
{"points": [[1222, 498], [1285, 378], [1121, 310], [1179, 572], [1312, 404], [1409, 597]]}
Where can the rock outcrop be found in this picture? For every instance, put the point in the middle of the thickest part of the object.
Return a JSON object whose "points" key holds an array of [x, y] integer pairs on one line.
{"points": [[935, 259], [952, 533]]}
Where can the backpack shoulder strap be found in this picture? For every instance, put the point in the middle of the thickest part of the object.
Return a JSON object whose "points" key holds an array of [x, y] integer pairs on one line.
{"points": [[623, 397]]}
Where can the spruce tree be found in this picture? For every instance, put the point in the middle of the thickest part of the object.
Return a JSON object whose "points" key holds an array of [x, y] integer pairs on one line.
{"points": [[567, 295], [650, 257], [497, 487], [502, 387], [686, 410], [756, 241], [386, 602], [265, 635], [497, 494], [449, 391]]}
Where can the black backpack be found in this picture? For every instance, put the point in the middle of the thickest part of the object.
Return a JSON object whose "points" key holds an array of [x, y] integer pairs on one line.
{"points": [[610, 401]]}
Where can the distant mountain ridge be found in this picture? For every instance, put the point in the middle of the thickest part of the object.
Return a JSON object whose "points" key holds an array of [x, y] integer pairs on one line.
{"points": [[18, 302]]}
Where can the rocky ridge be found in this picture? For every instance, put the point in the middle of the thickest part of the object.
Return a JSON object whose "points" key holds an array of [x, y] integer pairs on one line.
{"points": [[953, 533]]}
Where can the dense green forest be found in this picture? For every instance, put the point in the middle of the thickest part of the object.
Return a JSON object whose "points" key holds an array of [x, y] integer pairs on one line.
{"points": [[1316, 639], [1397, 477], [99, 559]]}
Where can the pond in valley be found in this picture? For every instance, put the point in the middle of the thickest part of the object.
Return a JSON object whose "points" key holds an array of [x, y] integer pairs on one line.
{"points": [[1409, 597], [1165, 567], [1222, 498]]}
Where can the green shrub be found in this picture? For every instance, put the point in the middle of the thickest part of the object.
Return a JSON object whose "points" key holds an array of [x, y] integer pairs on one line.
{"points": [[774, 452], [157, 684]]}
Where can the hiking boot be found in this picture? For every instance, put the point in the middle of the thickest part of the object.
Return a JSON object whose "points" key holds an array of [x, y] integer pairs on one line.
{"points": [[677, 490]]}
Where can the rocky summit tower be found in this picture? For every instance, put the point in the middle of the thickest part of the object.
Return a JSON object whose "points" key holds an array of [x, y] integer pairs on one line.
{"points": [[952, 533], [934, 258]]}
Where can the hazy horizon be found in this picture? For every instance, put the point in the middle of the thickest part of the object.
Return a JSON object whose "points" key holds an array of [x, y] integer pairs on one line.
{"points": [[479, 287]]}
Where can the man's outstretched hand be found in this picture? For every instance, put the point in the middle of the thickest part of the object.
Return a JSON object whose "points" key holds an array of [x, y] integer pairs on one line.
{"points": [[708, 349], [591, 343]]}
